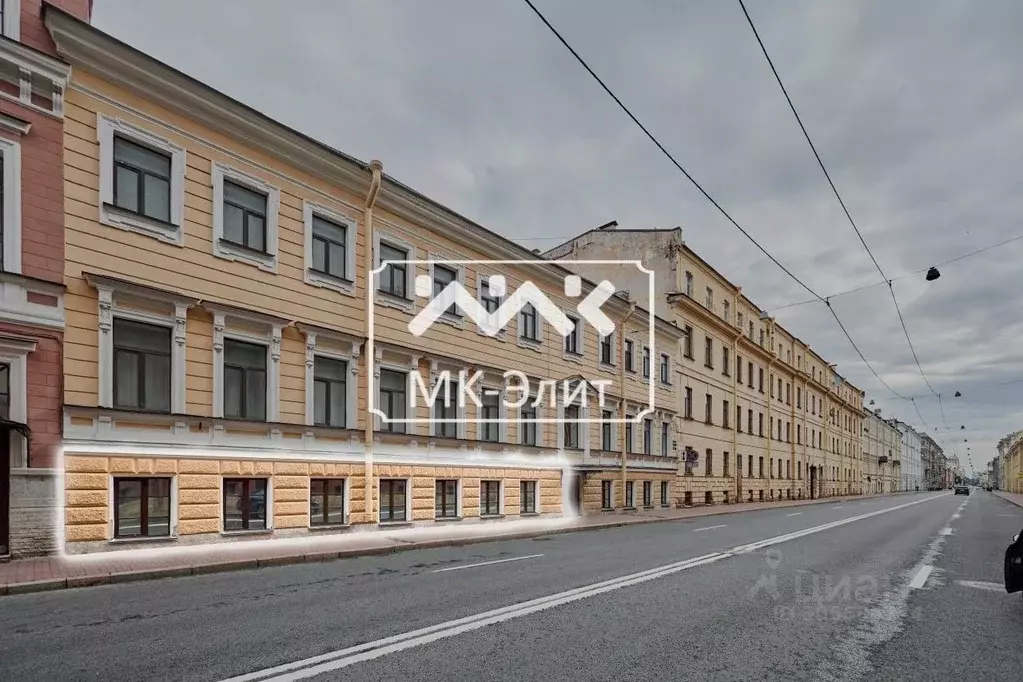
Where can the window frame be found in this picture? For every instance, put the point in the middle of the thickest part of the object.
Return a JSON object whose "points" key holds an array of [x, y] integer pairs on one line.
{"points": [[141, 174], [452, 315], [525, 428], [524, 340], [606, 343], [233, 338], [484, 299], [607, 494], [648, 494], [141, 375], [630, 356], [524, 486], [172, 516], [665, 494], [347, 372], [171, 231], [498, 421], [665, 437], [267, 260], [665, 369], [575, 339], [267, 511], [326, 523], [406, 302], [440, 512], [487, 484], [12, 19], [316, 278], [407, 504]]}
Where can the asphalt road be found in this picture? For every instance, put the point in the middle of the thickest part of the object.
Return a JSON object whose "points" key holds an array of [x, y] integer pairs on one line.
{"points": [[832, 591]]}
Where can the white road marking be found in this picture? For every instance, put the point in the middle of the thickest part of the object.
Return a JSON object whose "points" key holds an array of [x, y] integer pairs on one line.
{"points": [[794, 514], [947, 531], [342, 658], [837, 507], [921, 577], [697, 530], [488, 563], [1011, 516], [981, 585]]}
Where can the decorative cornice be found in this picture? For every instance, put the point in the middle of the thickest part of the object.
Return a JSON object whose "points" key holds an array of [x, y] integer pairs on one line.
{"points": [[14, 124]]}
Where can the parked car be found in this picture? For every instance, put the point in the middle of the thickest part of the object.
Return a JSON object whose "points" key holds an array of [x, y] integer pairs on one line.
{"points": [[962, 489], [1014, 565]]}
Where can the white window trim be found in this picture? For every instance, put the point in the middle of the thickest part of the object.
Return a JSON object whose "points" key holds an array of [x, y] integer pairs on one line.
{"points": [[383, 298], [14, 352], [269, 503], [502, 413], [408, 500], [580, 356], [351, 356], [459, 268], [222, 249], [481, 281], [111, 530], [110, 307], [172, 233], [11, 152], [12, 19], [345, 285], [537, 344], [271, 338]]}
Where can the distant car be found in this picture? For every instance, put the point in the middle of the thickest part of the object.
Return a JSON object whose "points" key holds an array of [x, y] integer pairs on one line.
{"points": [[962, 489]]}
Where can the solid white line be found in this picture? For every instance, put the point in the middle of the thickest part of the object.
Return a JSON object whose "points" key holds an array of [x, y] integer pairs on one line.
{"points": [[794, 514], [946, 531], [921, 577], [343, 658], [488, 563], [697, 530], [981, 585]]}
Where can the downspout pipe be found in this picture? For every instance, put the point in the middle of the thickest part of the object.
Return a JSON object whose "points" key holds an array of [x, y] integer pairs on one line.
{"points": [[377, 169], [621, 401]]}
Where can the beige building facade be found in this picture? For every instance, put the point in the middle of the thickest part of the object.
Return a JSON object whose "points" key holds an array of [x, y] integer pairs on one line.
{"points": [[767, 417], [238, 353], [882, 454]]}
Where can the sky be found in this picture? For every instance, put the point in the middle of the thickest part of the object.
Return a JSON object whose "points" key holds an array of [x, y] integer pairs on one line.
{"points": [[914, 106]]}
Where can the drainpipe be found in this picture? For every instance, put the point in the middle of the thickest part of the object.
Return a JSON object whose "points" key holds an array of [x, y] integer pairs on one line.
{"points": [[621, 400], [735, 396], [769, 400], [376, 168]]}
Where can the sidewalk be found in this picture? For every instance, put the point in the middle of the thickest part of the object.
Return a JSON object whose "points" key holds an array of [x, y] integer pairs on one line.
{"points": [[60, 572], [1015, 498]]}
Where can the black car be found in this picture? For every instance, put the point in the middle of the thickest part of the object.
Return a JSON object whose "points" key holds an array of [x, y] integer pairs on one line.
{"points": [[962, 489], [1014, 565]]}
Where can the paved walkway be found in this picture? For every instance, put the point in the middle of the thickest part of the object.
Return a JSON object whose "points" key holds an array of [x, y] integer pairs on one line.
{"points": [[59, 572], [1015, 498]]}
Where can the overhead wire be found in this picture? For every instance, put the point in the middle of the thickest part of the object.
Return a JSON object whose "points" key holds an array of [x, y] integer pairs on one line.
{"points": [[705, 193]]}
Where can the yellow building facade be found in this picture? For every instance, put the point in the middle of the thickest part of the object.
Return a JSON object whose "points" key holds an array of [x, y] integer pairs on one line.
{"points": [[239, 357]]}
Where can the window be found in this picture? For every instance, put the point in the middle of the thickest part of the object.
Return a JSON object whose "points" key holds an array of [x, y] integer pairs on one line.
{"points": [[761, 338], [330, 390], [606, 489], [726, 413], [788, 393], [708, 468], [664, 493], [142, 366], [445, 410], [726, 311], [5, 391], [648, 436], [527, 497], [665, 369], [142, 180], [573, 341], [628, 433], [751, 331], [779, 389], [749, 374], [761, 467], [689, 403], [629, 504], [393, 400], [605, 432], [749, 470], [491, 302], [528, 323], [445, 504], [442, 277], [245, 504], [710, 299], [490, 413], [607, 349], [244, 380], [10, 19], [708, 352], [687, 342], [330, 247], [648, 493], [393, 505], [739, 320], [725, 464], [726, 367], [799, 434], [738, 418], [664, 439], [760, 378], [709, 411], [326, 501], [646, 362], [788, 432], [749, 421], [760, 424], [527, 425], [571, 426], [799, 398], [394, 276], [689, 284], [490, 498], [244, 217], [629, 359], [142, 507], [772, 385]]}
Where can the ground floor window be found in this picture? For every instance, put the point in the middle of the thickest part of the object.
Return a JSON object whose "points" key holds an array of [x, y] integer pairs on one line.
{"points": [[392, 499], [664, 493], [326, 501], [527, 497], [628, 494], [490, 498], [648, 494], [605, 495], [446, 499], [142, 507], [245, 504]]}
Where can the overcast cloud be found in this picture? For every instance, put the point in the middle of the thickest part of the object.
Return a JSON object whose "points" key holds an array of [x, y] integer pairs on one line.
{"points": [[914, 105]]}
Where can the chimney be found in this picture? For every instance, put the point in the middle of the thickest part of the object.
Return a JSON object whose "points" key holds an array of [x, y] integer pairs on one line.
{"points": [[608, 226]]}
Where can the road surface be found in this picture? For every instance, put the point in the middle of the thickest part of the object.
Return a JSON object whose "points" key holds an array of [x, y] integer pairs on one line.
{"points": [[895, 588]]}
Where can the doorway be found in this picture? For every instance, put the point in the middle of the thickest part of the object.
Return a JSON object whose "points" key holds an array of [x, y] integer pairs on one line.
{"points": [[738, 478], [813, 483], [5, 491]]}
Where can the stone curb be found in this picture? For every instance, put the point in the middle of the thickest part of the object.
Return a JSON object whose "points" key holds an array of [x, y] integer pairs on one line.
{"points": [[998, 493], [319, 557]]}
